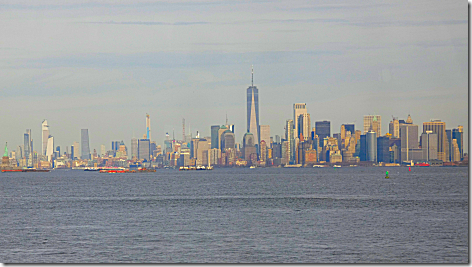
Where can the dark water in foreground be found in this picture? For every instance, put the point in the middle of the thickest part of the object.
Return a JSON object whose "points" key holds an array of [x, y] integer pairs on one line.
{"points": [[236, 215]]}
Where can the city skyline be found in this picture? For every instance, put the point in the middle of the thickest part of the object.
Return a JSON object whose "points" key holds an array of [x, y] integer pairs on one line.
{"points": [[340, 59]]}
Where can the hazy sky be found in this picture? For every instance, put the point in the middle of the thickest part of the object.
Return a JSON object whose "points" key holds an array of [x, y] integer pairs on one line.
{"points": [[103, 65]]}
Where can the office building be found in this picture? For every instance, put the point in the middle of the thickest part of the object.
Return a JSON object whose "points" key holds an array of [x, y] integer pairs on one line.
{"points": [[458, 134], [45, 136], [265, 134], [290, 138], [394, 128], [50, 148], [250, 151], [429, 143], [253, 110], [438, 127], [85, 148], [229, 140], [323, 129], [409, 141], [383, 149], [371, 146], [373, 121], [214, 136], [304, 125], [144, 149], [298, 109], [134, 147]]}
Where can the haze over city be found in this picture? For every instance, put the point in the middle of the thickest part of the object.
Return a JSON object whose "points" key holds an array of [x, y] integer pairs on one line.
{"points": [[103, 66]]}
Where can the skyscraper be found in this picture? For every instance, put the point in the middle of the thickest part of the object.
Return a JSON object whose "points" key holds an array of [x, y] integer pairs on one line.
{"points": [[438, 127], [265, 133], [371, 145], [298, 109], [134, 147], [144, 149], [214, 136], [148, 127], [323, 129], [45, 136], [458, 134], [429, 145], [85, 148], [253, 110], [290, 139], [394, 128], [409, 140], [50, 148], [373, 121], [28, 147], [304, 125]]}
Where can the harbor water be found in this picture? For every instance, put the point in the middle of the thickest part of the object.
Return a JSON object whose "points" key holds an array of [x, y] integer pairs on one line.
{"points": [[262, 215]]}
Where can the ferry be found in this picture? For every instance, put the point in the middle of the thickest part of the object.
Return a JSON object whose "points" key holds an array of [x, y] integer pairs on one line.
{"points": [[319, 166], [337, 166], [293, 166], [422, 164]]}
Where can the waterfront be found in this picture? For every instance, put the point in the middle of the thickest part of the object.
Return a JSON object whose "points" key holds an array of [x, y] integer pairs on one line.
{"points": [[288, 215]]}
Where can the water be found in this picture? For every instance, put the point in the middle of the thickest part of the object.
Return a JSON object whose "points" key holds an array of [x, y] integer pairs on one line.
{"points": [[271, 215]]}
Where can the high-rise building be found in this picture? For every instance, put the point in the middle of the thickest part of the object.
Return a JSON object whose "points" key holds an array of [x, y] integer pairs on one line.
{"points": [[85, 148], [409, 140], [253, 110], [221, 138], [103, 150], [371, 145], [438, 127], [50, 148], [229, 140], [249, 146], [298, 109], [265, 133], [363, 148], [144, 149], [455, 150], [214, 136], [449, 150], [323, 130], [290, 138], [45, 136], [383, 145], [429, 145], [148, 127], [373, 121], [134, 147], [304, 125], [394, 128], [458, 134]]}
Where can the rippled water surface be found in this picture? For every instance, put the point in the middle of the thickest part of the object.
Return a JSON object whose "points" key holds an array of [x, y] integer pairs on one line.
{"points": [[271, 215]]}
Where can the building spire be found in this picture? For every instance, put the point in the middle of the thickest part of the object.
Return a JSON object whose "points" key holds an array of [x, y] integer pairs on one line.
{"points": [[252, 75]]}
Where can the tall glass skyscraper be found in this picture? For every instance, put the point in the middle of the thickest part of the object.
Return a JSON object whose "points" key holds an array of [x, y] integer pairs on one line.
{"points": [[45, 135], [85, 148], [214, 136], [323, 129], [253, 110]]}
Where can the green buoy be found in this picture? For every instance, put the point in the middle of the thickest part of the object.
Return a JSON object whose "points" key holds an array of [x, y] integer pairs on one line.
{"points": [[386, 174]]}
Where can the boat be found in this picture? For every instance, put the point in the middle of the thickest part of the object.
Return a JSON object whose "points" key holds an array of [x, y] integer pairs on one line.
{"points": [[319, 166], [337, 166], [293, 166], [252, 167], [422, 164]]}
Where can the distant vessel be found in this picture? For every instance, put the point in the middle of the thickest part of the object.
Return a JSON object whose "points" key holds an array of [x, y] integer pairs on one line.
{"points": [[337, 166], [293, 166], [422, 164], [319, 166], [252, 167]]}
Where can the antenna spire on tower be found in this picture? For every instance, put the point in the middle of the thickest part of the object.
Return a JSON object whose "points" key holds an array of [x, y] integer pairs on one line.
{"points": [[252, 75]]}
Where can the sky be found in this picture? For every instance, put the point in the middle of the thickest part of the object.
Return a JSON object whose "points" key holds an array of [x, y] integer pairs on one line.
{"points": [[102, 65]]}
